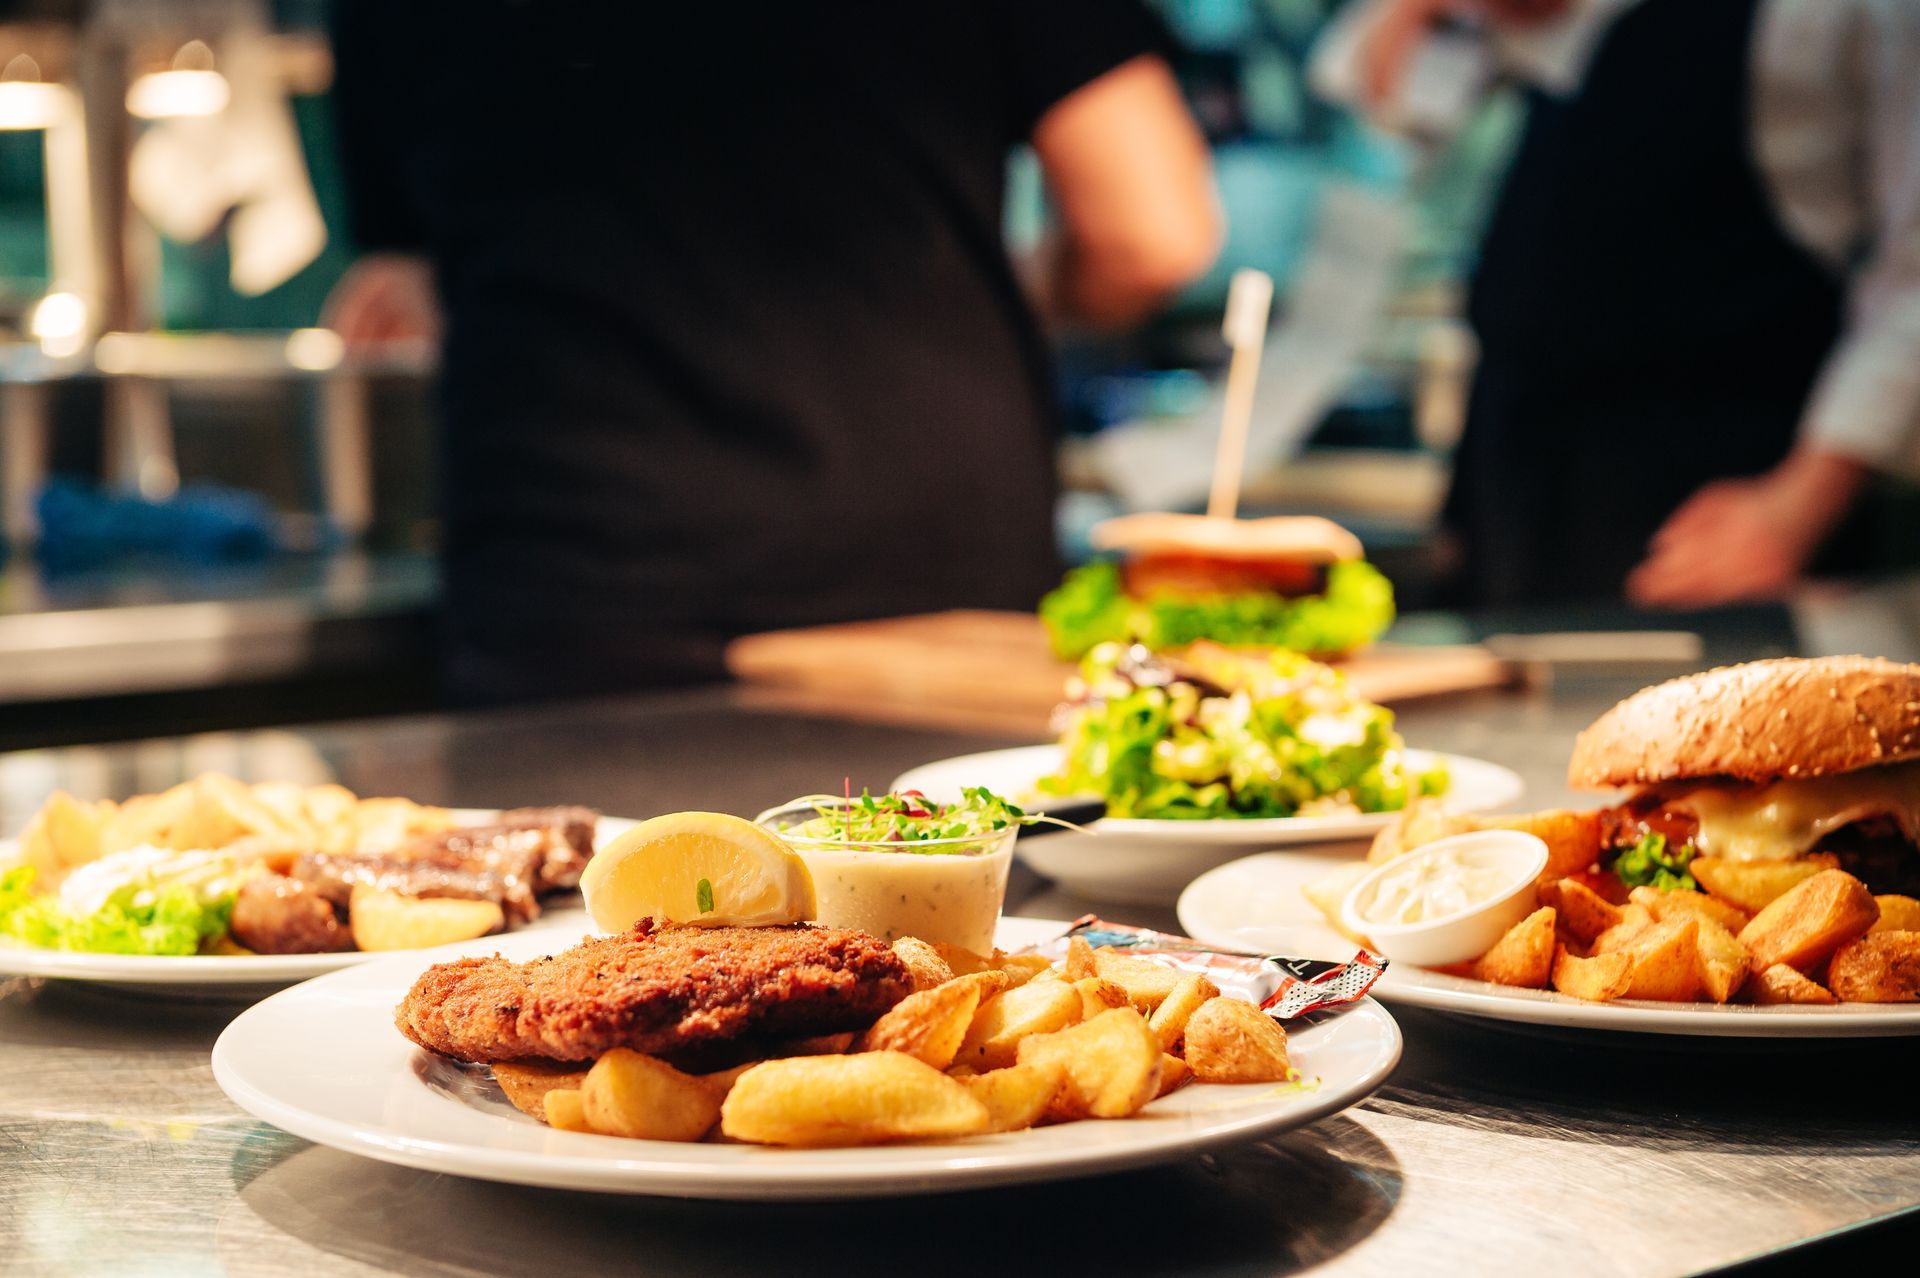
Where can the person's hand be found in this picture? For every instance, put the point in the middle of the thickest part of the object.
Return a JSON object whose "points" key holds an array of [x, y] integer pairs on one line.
{"points": [[1742, 540], [384, 297]]}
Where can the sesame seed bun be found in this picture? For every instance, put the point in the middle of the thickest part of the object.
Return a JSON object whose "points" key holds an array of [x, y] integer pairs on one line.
{"points": [[1763, 721], [1302, 538]]}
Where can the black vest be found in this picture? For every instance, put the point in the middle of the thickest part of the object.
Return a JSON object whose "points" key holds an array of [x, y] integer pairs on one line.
{"points": [[1645, 324]]}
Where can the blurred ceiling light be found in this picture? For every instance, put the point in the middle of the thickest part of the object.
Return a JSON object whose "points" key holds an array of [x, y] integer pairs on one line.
{"points": [[190, 87], [59, 324], [315, 349], [26, 103]]}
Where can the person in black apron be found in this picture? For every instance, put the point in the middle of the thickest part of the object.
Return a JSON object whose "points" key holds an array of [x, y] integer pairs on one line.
{"points": [[1664, 406], [1645, 325], [732, 338]]}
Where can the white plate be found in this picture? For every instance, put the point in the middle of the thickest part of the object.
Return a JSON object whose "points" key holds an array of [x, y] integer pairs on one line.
{"points": [[323, 1061], [224, 975], [1147, 862], [1255, 904]]}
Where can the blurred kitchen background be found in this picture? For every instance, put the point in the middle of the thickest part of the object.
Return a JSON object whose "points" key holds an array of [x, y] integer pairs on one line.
{"points": [[214, 517]]}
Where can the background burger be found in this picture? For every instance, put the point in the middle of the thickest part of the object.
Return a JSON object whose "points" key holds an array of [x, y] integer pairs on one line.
{"points": [[1772, 761], [1295, 582]]}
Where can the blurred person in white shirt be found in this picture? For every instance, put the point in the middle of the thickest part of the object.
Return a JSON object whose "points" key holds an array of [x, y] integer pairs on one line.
{"points": [[1698, 302]]}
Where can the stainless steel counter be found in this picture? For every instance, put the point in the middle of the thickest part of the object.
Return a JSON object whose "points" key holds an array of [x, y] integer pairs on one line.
{"points": [[1489, 1151]]}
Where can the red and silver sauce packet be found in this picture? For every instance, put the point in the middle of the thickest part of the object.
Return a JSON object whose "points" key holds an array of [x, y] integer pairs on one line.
{"points": [[1285, 988]]}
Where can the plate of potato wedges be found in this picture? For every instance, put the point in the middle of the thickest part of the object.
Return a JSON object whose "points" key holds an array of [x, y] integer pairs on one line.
{"points": [[1758, 949], [995, 1069]]}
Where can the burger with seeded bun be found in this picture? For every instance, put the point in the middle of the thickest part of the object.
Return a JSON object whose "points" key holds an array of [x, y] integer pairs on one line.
{"points": [[1295, 582], [1770, 761]]}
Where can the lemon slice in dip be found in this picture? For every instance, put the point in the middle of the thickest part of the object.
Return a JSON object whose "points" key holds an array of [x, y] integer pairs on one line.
{"points": [[703, 868]]}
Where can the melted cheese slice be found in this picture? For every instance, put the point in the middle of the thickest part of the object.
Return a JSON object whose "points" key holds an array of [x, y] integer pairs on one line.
{"points": [[1784, 820]]}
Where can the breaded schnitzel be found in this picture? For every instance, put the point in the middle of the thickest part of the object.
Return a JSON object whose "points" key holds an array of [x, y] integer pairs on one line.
{"points": [[684, 993]]}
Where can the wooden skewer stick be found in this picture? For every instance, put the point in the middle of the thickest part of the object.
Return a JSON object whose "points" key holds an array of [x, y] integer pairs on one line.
{"points": [[1249, 298]]}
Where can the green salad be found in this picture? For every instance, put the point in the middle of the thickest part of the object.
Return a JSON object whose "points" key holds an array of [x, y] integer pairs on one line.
{"points": [[1091, 606], [141, 901], [906, 818], [1229, 734]]}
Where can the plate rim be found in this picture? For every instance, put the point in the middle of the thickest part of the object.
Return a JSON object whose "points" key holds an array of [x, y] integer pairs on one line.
{"points": [[1409, 986], [795, 1177]]}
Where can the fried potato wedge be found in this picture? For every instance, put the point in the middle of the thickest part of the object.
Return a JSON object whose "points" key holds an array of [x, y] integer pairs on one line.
{"points": [[1600, 979], [1021, 968], [64, 833], [627, 1094], [1079, 964], [1634, 920], [1041, 1006], [1524, 956], [1897, 914], [1781, 984], [1421, 821], [1231, 1041], [563, 1109], [1097, 996], [1175, 1074], [382, 920], [867, 1099], [1754, 885], [924, 963], [1724, 962], [1110, 1065], [931, 1024], [1169, 1020], [526, 1083], [1666, 962], [1584, 913], [962, 961], [1881, 967], [1667, 905], [1804, 925], [1146, 982], [1017, 1096]]}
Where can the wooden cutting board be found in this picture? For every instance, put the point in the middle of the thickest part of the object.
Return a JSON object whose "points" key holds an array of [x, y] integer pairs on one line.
{"points": [[992, 671]]}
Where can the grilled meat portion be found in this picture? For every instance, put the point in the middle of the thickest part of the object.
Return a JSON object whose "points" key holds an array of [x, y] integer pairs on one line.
{"points": [[500, 877], [527, 852], [562, 837], [690, 994], [278, 915]]}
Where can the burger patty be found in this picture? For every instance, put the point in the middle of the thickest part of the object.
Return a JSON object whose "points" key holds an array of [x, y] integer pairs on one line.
{"points": [[1876, 851]]}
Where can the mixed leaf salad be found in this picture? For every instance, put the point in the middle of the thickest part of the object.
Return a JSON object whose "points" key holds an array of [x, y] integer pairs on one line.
{"points": [[1092, 606], [1218, 733], [144, 900], [906, 818]]}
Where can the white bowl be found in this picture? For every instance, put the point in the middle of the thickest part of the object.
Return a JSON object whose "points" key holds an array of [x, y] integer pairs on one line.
{"points": [[1466, 934]]}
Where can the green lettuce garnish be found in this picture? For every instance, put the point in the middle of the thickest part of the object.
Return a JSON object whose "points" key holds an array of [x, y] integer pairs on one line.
{"points": [[1649, 864], [148, 916], [1091, 607], [1274, 736]]}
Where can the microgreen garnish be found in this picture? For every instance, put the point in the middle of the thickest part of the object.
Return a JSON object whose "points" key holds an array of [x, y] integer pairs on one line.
{"points": [[703, 896], [907, 817]]}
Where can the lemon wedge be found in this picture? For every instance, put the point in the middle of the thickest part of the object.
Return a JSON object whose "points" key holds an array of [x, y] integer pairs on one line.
{"points": [[656, 870]]}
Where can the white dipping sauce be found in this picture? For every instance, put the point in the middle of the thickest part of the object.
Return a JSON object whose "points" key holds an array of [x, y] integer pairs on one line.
{"points": [[1436, 886], [954, 897]]}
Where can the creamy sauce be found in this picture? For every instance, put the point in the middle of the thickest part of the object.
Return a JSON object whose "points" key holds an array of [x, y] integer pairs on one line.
{"points": [[1435, 886], [953, 897], [1784, 820]]}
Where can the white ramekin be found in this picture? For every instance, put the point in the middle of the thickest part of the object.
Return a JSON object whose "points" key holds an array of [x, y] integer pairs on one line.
{"points": [[1459, 937]]}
